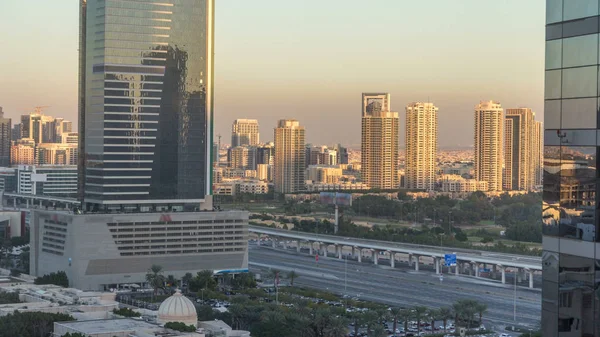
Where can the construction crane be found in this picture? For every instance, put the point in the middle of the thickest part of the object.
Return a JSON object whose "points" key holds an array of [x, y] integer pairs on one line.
{"points": [[39, 109]]}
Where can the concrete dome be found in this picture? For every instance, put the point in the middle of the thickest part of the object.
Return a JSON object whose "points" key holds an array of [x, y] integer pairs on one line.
{"points": [[177, 308]]}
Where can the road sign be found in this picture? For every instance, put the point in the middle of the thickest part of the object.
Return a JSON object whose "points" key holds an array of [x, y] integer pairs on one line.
{"points": [[450, 260]]}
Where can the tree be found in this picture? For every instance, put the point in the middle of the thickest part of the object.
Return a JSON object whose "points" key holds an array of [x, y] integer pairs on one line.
{"points": [[171, 281], [30, 324], [338, 327], [433, 315], [481, 308], [419, 312], [244, 281], [59, 278], [395, 312], [378, 331], [292, 275], [155, 278], [203, 280], [126, 312], [445, 314], [187, 278], [405, 316], [180, 326]]}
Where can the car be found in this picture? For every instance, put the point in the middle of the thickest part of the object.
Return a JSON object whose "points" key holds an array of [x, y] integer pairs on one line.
{"points": [[504, 335]]}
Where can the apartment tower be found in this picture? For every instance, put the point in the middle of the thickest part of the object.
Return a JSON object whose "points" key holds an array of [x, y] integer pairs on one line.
{"points": [[289, 156], [488, 144], [5, 139], [421, 145], [519, 154], [571, 256], [244, 132], [379, 142]]}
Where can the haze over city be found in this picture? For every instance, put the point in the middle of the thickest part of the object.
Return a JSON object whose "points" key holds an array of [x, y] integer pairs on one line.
{"points": [[284, 59]]}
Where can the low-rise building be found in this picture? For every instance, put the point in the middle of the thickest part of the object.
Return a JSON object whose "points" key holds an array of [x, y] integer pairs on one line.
{"points": [[99, 251], [327, 174], [234, 187], [456, 183], [48, 180], [341, 186]]}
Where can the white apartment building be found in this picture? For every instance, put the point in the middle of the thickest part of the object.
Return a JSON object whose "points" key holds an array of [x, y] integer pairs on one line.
{"points": [[456, 183], [244, 132], [379, 142], [489, 125], [421, 145]]}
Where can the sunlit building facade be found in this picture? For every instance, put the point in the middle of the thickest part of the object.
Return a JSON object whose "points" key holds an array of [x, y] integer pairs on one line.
{"points": [[379, 142], [571, 256], [245, 132], [519, 155], [421, 145], [488, 143], [289, 156]]}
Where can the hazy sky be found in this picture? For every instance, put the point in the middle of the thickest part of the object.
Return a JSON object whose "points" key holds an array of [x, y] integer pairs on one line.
{"points": [[312, 59]]}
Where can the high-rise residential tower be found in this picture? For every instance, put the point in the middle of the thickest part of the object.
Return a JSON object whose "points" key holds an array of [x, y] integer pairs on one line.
{"points": [[379, 142], [5, 138], [244, 132], [146, 103], [489, 124], [570, 217], [519, 151], [289, 156], [421, 145]]}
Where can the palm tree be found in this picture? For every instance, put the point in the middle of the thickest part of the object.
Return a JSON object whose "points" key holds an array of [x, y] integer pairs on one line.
{"points": [[481, 309], [405, 316], [155, 278], [459, 310], [292, 275], [378, 331], [171, 280], [433, 315], [395, 313], [337, 327], [445, 314], [419, 312]]}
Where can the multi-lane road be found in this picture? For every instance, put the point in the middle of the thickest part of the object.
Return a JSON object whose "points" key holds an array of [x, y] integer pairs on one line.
{"points": [[402, 287]]}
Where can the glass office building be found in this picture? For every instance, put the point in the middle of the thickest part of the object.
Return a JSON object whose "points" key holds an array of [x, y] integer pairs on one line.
{"points": [[146, 76], [571, 258]]}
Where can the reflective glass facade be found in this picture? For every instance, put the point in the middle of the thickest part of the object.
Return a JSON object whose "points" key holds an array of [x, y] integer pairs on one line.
{"points": [[571, 259], [146, 102]]}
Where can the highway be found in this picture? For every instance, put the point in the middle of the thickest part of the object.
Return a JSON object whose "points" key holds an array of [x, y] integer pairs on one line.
{"points": [[402, 287], [533, 263]]}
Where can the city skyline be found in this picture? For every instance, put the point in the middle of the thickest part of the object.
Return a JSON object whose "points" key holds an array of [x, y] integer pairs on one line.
{"points": [[454, 85]]}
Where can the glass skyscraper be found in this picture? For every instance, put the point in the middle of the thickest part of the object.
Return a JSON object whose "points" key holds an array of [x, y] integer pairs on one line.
{"points": [[146, 98], [571, 258]]}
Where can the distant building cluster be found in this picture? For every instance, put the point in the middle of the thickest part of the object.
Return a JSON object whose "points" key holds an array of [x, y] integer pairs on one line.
{"points": [[507, 154], [37, 140]]}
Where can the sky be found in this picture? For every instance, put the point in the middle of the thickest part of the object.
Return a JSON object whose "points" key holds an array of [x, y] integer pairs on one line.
{"points": [[311, 59]]}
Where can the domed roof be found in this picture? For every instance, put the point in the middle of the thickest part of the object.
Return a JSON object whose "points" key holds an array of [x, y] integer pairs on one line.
{"points": [[177, 308]]}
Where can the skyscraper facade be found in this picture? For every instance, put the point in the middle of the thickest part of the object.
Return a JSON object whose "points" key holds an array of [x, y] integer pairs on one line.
{"points": [[538, 152], [5, 138], [421, 145], [244, 132], [570, 260], [489, 124], [146, 103], [519, 161], [379, 142], [289, 156]]}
